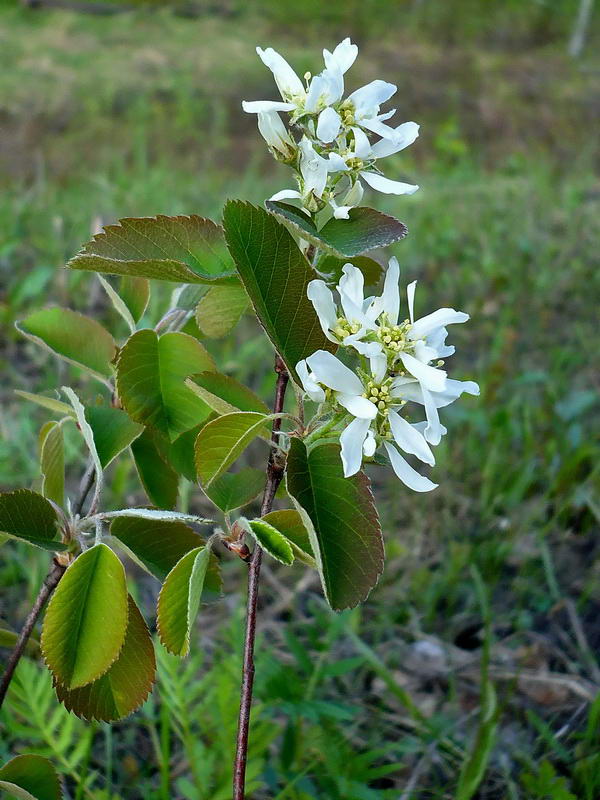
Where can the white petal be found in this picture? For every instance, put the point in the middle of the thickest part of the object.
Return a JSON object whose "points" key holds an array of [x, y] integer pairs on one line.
{"points": [[258, 106], [410, 294], [357, 405], [335, 163], [322, 299], [429, 377], [288, 83], [352, 284], [368, 349], [422, 427], [328, 125], [387, 186], [286, 194], [313, 169], [433, 430], [424, 352], [408, 476], [310, 386], [362, 145], [370, 444], [274, 132], [324, 89], [342, 57], [330, 371], [391, 291], [352, 440], [375, 125], [405, 135], [407, 389], [378, 365], [437, 319], [341, 212], [409, 439], [437, 340], [453, 391], [367, 99]]}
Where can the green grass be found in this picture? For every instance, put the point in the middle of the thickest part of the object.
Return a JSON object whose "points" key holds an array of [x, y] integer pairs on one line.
{"points": [[139, 114]]}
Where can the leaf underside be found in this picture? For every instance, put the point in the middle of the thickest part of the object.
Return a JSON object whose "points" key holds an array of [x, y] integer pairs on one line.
{"points": [[223, 440], [28, 516]]}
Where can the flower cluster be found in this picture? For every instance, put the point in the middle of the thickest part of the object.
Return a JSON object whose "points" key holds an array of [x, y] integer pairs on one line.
{"points": [[400, 362], [333, 155]]}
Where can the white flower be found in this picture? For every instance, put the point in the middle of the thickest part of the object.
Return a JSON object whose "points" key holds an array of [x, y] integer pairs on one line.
{"points": [[375, 417], [276, 135]]}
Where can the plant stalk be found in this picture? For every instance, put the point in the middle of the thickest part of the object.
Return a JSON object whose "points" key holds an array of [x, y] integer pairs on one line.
{"points": [[275, 471], [57, 570]]}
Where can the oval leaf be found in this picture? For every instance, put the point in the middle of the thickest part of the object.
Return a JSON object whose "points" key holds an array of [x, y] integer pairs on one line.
{"points": [[78, 339], [236, 489], [159, 479], [151, 373], [179, 601], [220, 310], [84, 627], [126, 685], [342, 521], [52, 462], [275, 275], [221, 441], [29, 516], [186, 249], [135, 293], [365, 229], [272, 540], [113, 431], [30, 776], [224, 394], [289, 522]]}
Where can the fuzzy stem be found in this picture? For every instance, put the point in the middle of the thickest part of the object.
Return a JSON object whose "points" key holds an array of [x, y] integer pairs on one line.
{"points": [[50, 583], [275, 471]]}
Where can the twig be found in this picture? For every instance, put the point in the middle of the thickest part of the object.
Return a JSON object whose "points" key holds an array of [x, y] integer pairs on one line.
{"points": [[48, 586], [275, 470]]}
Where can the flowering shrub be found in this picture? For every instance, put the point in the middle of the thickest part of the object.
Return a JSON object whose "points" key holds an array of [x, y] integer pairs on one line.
{"points": [[369, 381]]}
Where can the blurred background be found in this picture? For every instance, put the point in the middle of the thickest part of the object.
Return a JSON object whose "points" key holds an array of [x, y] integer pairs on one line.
{"points": [[110, 109]]}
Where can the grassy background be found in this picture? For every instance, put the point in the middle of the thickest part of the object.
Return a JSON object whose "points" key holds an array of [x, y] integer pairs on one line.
{"points": [[139, 113]]}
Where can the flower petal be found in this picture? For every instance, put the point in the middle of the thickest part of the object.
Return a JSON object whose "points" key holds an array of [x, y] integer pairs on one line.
{"points": [[391, 291], [357, 405], [408, 476], [405, 135], [429, 377], [370, 444], [367, 99], [352, 284], [453, 391], [288, 83], [387, 186], [433, 430], [258, 106], [330, 371], [328, 125], [322, 299], [409, 439], [325, 89], [378, 366], [352, 440], [342, 57], [310, 386], [410, 295], [437, 319], [362, 145], [286, 194]]}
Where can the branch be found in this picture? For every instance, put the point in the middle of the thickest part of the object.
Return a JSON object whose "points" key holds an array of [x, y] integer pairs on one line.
{"points": [[48, 586], [275, 471]]}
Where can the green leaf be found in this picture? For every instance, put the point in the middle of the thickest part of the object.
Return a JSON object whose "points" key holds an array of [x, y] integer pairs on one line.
{"points": [[52, 462], [158, 478], [78, 339], [341, 519], [236, 489], [88, 436], [9, 639], [118, 304], [182, 249], [135, 293], [84, 627], [113, 431], [272, 540], [221, 441], [275, 275], [51, 403], [126, 684], [331, 267], [289, 522], [224, 394], [28, 516], [365, 230], [181, 453], [220, 310], [151, 373], [157, 545], [179, 600], [30, 776]]}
